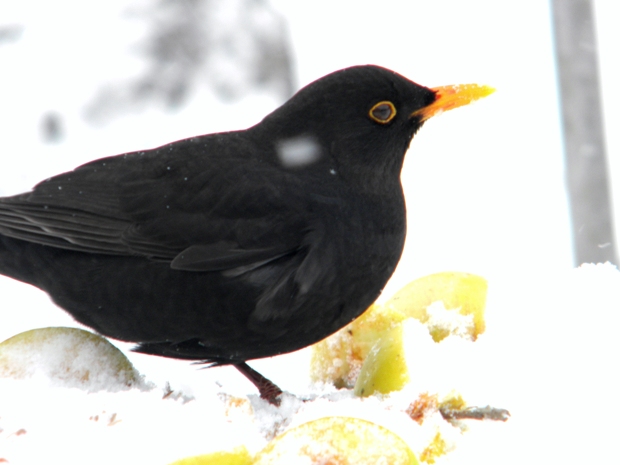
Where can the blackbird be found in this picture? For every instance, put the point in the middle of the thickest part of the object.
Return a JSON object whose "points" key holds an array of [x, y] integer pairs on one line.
{"points": [[234, 246]]}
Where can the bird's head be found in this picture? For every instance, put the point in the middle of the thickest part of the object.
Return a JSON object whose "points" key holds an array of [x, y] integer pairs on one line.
{"points": [[358, 122]]}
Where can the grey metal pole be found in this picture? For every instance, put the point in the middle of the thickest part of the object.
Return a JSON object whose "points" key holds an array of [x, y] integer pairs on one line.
{"points": [[584, 141]]}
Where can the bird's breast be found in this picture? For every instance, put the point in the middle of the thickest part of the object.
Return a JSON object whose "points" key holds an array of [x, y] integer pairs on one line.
{"points": [[362, 244]]}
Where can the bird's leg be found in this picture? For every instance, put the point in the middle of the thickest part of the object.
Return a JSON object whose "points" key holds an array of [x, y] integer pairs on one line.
{"points": [[268, 391]]}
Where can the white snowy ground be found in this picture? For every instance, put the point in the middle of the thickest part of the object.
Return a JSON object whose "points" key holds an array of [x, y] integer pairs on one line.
{"points": [[548, 356], [484, 186]]}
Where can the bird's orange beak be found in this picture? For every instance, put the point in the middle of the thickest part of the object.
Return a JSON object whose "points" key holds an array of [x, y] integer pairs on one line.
{"points": [[450, 97]]}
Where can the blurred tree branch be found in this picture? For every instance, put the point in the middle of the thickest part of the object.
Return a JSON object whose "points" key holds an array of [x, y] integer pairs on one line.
{"points": [[233, 47]]}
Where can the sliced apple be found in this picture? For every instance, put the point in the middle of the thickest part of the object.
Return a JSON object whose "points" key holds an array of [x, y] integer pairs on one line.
{"points": [[448, 303], [463, 296], [338, 359], [68, 357], [385, 367], [337, 441]]}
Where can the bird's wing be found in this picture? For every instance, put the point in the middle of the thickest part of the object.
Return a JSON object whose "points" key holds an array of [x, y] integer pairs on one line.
{"points": [[236, 215], [200, 212]]}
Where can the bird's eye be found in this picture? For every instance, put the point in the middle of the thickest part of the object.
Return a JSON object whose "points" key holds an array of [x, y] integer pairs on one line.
{"points": [[382, 112]]}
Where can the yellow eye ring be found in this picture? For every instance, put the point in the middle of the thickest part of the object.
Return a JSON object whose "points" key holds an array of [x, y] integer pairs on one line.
{"points": [[382, 112]]}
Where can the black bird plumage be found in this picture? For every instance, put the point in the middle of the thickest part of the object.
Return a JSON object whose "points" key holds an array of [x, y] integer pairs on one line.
{"points": [[232, 246]]}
